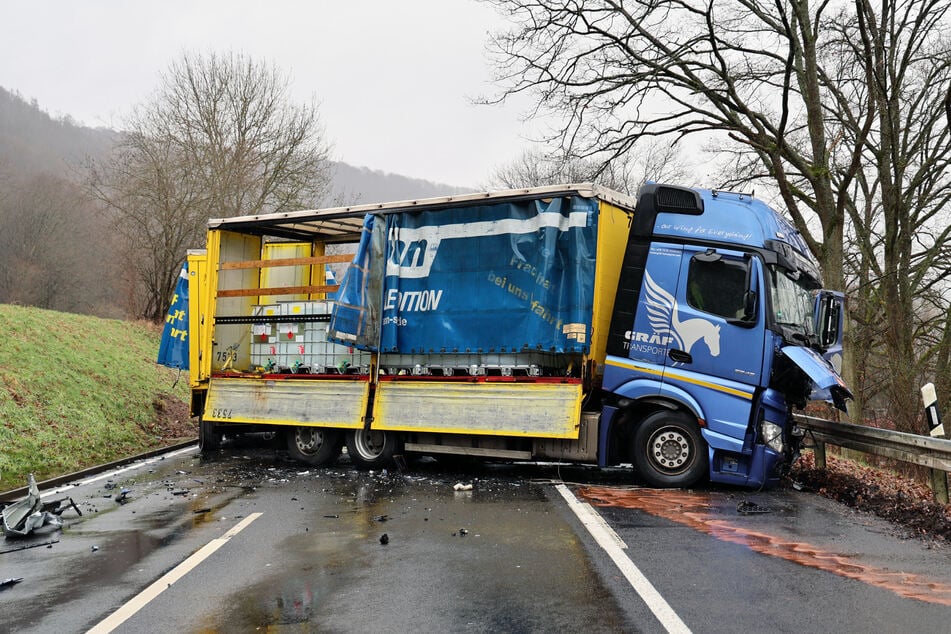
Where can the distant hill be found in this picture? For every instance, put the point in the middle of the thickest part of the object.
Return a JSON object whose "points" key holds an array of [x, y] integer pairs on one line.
{"points": [[359, 185], [32, 141]]}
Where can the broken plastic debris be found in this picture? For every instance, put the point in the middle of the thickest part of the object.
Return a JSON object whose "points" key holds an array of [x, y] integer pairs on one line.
{"points": [[56, 507], [459, 486], [748, 508], [27, 515], [9, 583], [123, 496]]}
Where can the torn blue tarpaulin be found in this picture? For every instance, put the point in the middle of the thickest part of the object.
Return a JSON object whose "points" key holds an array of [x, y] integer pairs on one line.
{"points": [[173, 350], [501, 277]]}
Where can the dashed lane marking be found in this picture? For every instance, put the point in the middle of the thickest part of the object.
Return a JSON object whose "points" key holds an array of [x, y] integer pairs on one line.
{"points": [[142, 599]]}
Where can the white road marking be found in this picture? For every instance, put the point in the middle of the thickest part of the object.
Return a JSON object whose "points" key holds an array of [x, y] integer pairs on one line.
{"points": [[605, 536], [140, 600], [115, 472]]}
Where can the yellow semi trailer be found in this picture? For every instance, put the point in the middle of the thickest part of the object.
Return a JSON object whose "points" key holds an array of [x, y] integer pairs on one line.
{"points": [[259, 354]]}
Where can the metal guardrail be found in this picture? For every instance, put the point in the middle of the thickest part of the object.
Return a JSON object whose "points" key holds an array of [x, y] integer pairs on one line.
{"points": [[10, 496], [934, 453], [921, 450]]}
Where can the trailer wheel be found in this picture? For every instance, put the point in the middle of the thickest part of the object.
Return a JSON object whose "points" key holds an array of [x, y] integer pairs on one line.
{"points": [[371, 448], [668, 450], [208, 439], [314, 445]]}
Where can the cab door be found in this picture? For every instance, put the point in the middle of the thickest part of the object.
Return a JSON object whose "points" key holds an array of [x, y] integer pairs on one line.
{"points": [[719, 324]]}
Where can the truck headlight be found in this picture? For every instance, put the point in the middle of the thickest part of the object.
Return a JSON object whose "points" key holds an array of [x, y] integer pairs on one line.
{"points": [[772, 435]]}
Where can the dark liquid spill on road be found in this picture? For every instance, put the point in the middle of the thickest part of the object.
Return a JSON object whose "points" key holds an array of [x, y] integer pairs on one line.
{"points": [[696, 511]]}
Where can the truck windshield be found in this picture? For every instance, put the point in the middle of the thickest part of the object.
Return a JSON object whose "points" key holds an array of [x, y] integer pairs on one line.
{"points": [[792, 299]]}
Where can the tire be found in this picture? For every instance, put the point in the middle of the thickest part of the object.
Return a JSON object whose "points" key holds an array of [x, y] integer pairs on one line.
{"points": [[668, 450], [209, 440], [372, 449], [316, 446]]}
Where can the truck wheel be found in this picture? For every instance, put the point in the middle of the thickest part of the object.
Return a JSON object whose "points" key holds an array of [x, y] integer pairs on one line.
{"points": [[314, 445], [371, 448], [208, 439], [668, 450]]}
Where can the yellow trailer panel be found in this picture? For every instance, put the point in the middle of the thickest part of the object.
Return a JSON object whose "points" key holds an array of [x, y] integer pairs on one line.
{"points": [[542, 410], [326, 403]]}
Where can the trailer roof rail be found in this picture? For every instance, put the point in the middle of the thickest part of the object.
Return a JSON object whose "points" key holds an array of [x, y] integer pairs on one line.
{"points": [[344, 224]]}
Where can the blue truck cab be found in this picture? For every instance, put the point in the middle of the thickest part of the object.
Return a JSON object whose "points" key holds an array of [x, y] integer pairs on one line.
{"points": [[719, 329]]}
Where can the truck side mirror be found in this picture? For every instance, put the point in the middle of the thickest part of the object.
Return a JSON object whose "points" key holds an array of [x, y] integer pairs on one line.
{"points": [[749, 306], [748, 318], [829, 319]]}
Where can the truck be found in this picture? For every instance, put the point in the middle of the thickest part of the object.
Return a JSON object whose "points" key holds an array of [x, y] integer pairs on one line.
{"points": [[674, 332]]}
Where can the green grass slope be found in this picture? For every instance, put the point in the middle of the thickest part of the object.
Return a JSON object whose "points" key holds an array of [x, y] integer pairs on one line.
{"points": [[76, 391]]}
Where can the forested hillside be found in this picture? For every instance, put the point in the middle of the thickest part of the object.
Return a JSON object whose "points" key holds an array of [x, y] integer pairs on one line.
{"points": [[58, 251], [358, 185], [31, 141], [55, 250]]}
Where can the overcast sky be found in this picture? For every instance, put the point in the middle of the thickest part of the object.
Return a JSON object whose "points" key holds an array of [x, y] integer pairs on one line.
{"points": [[394, 79]]}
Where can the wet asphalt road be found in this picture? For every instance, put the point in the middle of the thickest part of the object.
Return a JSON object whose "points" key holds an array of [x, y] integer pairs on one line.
{"points": [[507, 556]]}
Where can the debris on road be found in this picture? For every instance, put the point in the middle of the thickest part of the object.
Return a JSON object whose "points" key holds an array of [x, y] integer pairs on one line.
{"points": [[459, 486], [48, 544], [23, 517], [9, 583], [56, 506], [750, 508], [384, 539], [123, 496]]}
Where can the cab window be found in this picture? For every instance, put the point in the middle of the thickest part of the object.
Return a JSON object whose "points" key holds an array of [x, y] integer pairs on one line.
{"points": [[717, 286]]}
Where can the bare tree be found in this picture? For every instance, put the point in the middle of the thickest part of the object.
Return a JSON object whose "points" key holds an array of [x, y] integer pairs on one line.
{"points": [[658, 162], [619, 72], [828, 103], [899, 206], [219, 138]]}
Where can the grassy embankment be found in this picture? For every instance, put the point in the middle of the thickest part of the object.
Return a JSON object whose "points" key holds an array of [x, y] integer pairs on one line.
{"points": [[76, 391]]}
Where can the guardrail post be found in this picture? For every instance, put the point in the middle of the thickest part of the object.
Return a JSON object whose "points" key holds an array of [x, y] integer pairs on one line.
{"points": [[819, 451], [939, 479]]}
